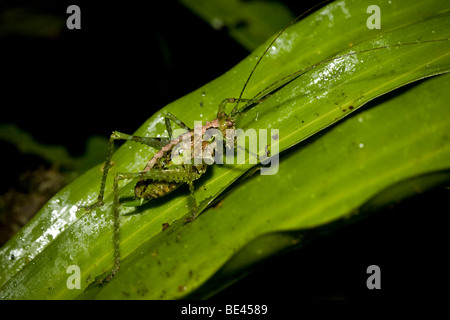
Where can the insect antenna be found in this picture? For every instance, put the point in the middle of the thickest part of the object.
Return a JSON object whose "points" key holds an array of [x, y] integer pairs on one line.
{"points": [[269, 46], [292, 76]]}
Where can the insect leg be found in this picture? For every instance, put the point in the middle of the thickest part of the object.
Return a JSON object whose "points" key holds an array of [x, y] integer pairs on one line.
{"points": [[194, 203], [223, 104], [185, 173], [169, 117], [156, 143], [116, 224]]}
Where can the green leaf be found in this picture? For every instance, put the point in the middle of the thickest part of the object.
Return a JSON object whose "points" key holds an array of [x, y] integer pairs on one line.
{"points": [[271, 244], [34, 262], [357, 166]]}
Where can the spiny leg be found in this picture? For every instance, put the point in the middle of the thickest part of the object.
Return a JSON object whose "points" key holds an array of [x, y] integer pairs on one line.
{"points": [[190, 183], [184, 173], [116, 226], [194, 203], [223, 104], [168, 117], [156, 143]]}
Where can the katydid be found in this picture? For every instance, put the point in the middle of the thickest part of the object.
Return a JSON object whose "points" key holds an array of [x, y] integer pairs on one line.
{"points": [[162, 176]]}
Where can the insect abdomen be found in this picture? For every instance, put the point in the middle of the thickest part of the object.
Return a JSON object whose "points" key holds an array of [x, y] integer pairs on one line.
{"points": [[149, 189]]}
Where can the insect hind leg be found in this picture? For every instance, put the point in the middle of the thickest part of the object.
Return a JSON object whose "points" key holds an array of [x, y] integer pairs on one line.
{"points": [[156, 143], [183, 174], [170, 117]]}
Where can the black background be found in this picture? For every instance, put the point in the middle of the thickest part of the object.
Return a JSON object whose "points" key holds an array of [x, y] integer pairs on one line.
{"points": [[128, 60]]}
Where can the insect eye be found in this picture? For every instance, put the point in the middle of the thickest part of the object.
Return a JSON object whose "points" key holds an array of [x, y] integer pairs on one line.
{"points": [[229, 123]]}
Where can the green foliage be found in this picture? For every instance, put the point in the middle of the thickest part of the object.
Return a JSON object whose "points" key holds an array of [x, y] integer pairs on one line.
{"points": [[355, 167]]}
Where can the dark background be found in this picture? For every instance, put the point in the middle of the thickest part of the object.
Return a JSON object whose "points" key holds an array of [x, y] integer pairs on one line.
{"points": [[128, 60], [132, 58]]}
